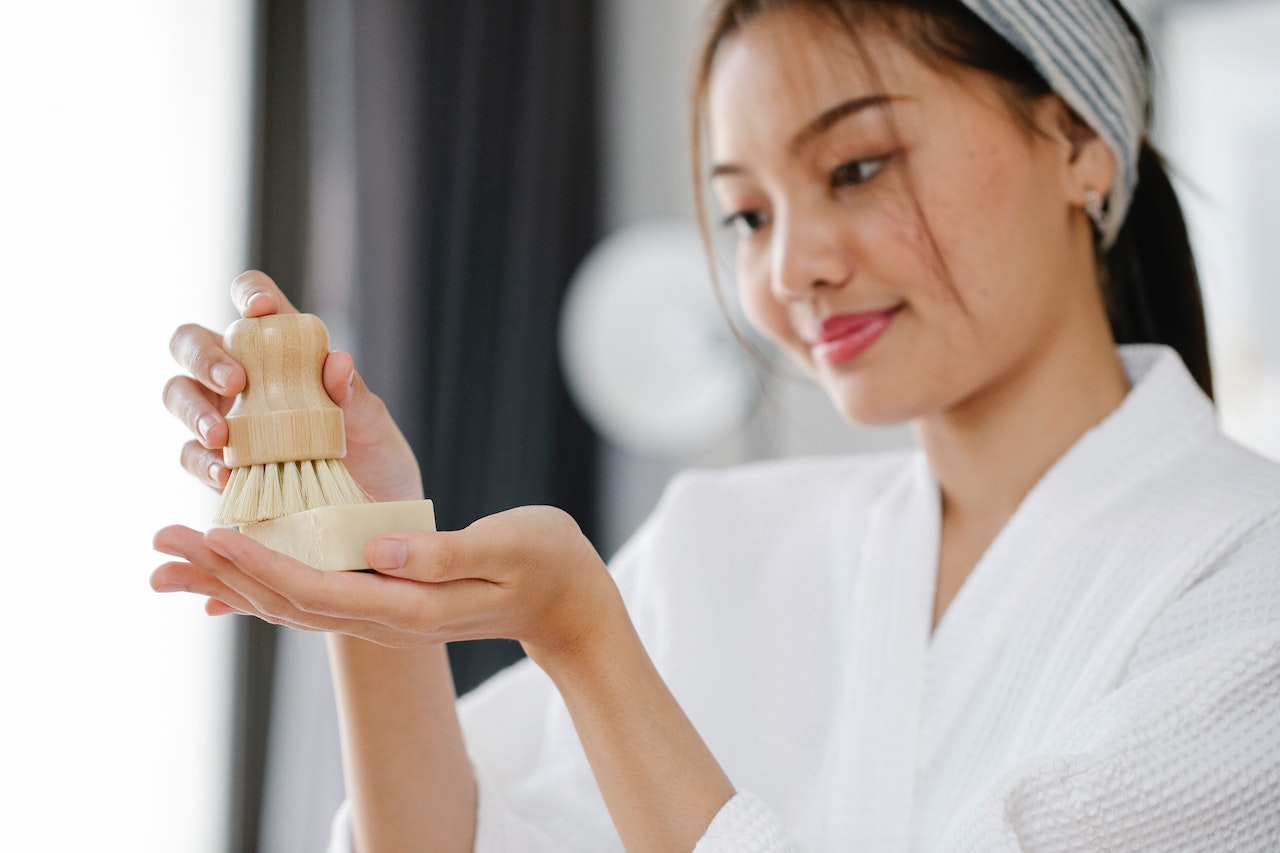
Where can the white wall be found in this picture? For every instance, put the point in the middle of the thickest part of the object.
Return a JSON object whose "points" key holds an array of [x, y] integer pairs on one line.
{"points": [[1220, 129], [122, 198]]}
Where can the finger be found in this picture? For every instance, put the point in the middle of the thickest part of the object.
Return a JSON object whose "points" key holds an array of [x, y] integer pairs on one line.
{"points": [[339, 376], [490, 549], [195, 561], [427, 557], [198, 408], [440, 557], [206, 572], [363, 411], [255, 294], [214, 607], [199, 351], [184, 577], [283, 588], [205, 465], [221, 600], [390, 610], [176, 540], [219, 578], [169, 578]]}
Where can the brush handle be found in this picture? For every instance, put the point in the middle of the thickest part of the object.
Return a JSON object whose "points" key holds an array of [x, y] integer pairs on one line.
{"points": [[284, 413]]}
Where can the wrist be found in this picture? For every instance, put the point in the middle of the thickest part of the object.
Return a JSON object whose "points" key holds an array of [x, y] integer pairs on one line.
{"points": [[360, 655], [596, 648], [660, 781]]}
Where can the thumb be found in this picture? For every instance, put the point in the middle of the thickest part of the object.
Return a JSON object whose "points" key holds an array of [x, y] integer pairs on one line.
{"points": [[255, 294], [340, 378], [428, 556], [365, 415]]}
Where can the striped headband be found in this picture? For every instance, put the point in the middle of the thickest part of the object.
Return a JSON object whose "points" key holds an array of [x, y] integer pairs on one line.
{"points": [[1087, 54]]}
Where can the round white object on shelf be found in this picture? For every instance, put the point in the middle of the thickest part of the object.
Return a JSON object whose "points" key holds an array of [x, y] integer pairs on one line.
{"points": [[646, 350]]}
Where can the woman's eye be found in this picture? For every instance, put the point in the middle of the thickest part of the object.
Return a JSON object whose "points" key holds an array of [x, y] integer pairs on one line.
{"points": [[746, 222], [857, 171]]}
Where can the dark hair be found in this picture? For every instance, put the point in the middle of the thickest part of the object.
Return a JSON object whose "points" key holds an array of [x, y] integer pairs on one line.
{"points": [[1149, 278]]}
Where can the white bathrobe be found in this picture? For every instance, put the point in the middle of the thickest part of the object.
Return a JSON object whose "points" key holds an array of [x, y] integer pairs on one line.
{"points": [[1108, 678]]}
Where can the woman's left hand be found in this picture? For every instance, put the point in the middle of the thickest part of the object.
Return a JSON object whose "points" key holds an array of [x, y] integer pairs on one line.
{"points": [[528, 574]]}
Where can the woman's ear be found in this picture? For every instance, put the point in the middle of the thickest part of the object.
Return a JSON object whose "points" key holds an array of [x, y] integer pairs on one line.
{"points": [[1088, 161]]}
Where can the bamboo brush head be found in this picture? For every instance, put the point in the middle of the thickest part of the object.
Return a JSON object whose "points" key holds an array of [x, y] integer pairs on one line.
{"points": [[285, 438]]}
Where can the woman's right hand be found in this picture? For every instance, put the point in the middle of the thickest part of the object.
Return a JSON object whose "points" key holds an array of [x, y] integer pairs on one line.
{"points": [[378, 456]]}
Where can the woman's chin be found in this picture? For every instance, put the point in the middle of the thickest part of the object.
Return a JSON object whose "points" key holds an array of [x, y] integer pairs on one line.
{"points": [[870, 405]]}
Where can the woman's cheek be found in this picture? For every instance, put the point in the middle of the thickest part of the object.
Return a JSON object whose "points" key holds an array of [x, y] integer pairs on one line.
{"points": [[756, 296]]}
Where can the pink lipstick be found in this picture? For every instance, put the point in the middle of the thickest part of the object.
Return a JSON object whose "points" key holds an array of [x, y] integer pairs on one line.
{"points": [[844, 337]]}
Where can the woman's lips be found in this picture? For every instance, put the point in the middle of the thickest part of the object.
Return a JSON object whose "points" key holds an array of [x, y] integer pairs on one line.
{"points": [[846, 336]]}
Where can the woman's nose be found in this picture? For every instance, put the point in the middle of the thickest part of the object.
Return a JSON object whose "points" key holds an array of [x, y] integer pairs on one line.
{"points": [[808, 256]]}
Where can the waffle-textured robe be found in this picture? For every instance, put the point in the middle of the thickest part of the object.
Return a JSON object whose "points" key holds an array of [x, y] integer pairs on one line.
{"points": [[1107, 678]]}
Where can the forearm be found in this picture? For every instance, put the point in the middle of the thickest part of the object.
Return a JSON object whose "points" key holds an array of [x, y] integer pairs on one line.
{"points": [[408, 778], [660, 781]]}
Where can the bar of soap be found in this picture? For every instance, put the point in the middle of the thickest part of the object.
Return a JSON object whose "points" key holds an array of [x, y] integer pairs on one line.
{"points": [[332, 538]]}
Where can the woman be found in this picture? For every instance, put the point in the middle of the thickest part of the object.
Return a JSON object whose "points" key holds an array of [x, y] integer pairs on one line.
{"points": [[1055, 626]]}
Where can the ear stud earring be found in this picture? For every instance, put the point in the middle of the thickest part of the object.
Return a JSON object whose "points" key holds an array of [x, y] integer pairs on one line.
{"points": [[1095, 208]]}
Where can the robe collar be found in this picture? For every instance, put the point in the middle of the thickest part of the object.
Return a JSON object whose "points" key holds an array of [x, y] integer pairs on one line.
{"points": [[887, 640], [1164, 415]]}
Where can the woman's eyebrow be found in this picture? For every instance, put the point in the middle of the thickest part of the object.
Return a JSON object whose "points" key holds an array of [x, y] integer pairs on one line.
{"points": [[828, 118], [817, 126]]}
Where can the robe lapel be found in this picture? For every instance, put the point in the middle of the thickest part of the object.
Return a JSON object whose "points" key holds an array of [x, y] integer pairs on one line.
{"points": [[884, 643], [1103, 468]]}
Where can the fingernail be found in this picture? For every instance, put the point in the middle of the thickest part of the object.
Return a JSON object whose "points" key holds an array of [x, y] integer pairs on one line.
{"points": [[387, 554], [221, 375], [204, 425], [171, 587], [248, 303], [215, 473]]}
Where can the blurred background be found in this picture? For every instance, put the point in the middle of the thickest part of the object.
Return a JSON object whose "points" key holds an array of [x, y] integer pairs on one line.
{"points": [[489, 203]]}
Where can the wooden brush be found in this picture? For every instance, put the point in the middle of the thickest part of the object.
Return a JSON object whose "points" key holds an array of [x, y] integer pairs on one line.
{"points": [[285, 439]]}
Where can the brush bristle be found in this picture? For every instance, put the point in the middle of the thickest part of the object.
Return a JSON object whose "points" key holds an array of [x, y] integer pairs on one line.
{"points": [[263, 492]]}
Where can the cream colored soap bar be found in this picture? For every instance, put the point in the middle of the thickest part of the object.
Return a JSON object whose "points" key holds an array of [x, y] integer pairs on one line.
{"points": [[332, 538]]}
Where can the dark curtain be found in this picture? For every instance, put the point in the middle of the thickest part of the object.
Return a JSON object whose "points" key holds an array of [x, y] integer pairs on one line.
{"points": [[277, 243], [478, 119], [474, 154]]}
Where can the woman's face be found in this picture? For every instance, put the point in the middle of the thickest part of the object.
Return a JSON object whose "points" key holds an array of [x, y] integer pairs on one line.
{"points": [[901, 234]]}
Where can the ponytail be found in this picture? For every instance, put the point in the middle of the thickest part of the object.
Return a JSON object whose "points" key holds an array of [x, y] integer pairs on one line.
{"points": [[1152, 287]]}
